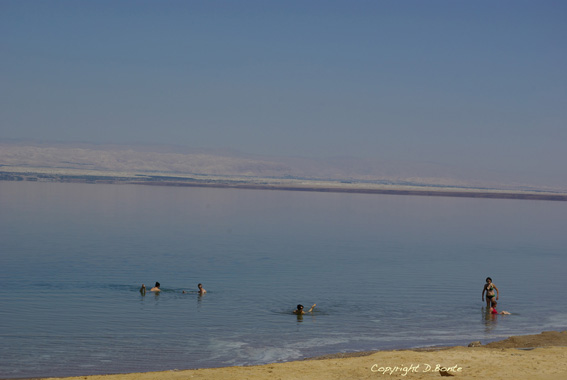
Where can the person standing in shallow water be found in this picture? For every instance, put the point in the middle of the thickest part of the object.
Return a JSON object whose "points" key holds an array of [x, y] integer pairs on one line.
{"points": [[489, 289]]}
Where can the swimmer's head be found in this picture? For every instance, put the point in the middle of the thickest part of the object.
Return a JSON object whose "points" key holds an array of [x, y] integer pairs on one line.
{"points": [[157, 285], [299, 307], [494, 303], [200, 286], [488, 279]]}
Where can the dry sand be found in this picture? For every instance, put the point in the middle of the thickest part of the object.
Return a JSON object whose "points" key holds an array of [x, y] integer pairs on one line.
{"points": [[533, 357]]}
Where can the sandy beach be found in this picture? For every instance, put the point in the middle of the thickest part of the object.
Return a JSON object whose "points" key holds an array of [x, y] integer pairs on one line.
{"points": [[539, 356]]}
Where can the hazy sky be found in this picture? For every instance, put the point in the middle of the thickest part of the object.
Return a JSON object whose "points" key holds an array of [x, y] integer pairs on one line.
{"points": [[463, 82]]}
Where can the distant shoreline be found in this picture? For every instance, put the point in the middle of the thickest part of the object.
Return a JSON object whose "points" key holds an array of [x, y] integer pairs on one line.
{"points": [[256, 183], [436, 193]]}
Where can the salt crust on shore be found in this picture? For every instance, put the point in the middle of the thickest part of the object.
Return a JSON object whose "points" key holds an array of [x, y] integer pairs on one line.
{"points": [[537, 357]]}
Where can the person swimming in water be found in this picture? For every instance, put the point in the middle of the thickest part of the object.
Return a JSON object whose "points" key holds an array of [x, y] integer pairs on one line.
{"points": [[143, 290], [494, 311], [156, 288], [489, 289], [300, 311], [201, 289]]}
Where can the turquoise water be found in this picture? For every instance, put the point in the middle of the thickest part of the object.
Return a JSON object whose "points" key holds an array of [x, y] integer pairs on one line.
{"points": [[385, 271]]}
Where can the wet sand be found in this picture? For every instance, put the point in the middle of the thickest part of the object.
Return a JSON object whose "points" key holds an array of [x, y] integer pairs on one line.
{"points": [[538, 357]]}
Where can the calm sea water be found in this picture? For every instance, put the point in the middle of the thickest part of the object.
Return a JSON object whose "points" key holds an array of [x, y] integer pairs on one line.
{"points": [[385, 271]]}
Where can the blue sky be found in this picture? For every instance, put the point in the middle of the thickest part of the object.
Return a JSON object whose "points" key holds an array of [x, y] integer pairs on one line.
{"points": [[471, 83]]}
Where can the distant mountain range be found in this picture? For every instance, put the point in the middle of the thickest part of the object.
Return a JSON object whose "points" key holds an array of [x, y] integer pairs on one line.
{"points": [[176, 160]]}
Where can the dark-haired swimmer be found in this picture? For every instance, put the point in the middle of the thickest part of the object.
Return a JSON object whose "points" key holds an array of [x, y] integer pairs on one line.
{"points": [[156, 288], [300, 311], [489, 288]]}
